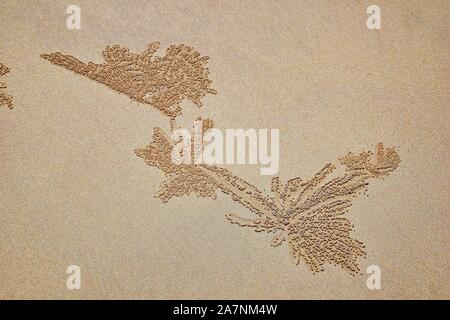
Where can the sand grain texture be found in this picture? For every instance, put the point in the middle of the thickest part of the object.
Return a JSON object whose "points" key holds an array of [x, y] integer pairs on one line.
{"points": [[74, 192]]}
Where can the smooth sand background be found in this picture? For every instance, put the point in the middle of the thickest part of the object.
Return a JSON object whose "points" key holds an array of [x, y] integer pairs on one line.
{"points": [[73, 192]]}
